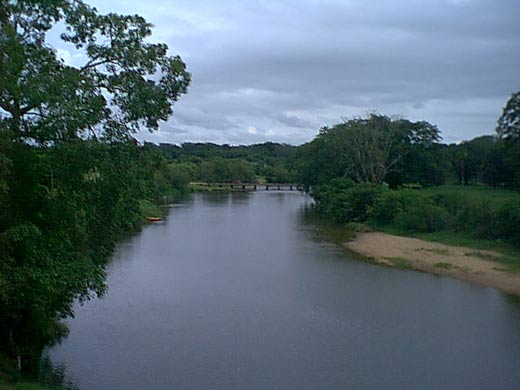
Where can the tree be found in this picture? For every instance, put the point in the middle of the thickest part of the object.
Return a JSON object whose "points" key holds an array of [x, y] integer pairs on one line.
{"points": [[508, 126], [370, 148], [123, 84], [65, 198]]}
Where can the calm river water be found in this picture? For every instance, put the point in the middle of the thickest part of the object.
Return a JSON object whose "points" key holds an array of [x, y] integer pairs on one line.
{"points": [[234, 291]]}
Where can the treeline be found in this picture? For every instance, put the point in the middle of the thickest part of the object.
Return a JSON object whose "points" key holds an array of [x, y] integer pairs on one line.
{"points": [[72, 181], [63, 209], [397, 152], [396, 173], [474, 212], [208, 162]]}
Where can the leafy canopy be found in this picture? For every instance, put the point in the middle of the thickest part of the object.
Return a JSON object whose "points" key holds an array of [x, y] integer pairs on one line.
{"points": [[369, 148], [123, 83], [508, 125]]}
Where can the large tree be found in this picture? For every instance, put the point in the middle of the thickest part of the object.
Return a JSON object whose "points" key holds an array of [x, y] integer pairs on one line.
{"points": [[120, 82], [508, 125], [369, 148], [65, 199], [508, 128]]}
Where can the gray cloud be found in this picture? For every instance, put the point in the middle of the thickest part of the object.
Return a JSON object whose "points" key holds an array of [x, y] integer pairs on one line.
{"points": [[286, 68], [292, 120]]}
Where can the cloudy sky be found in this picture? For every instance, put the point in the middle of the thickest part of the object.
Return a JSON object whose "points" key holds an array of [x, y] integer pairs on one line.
{"points": [[280, 70]]}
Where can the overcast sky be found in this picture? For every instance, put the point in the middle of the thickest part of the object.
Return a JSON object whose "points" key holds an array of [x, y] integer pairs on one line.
{"points": [[280, 70]]}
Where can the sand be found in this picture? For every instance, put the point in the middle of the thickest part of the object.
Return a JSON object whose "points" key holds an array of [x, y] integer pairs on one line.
{"points": [[476, 266]]}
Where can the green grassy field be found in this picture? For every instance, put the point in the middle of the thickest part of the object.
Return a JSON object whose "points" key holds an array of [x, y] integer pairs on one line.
{"points": [[478, 217], [476, 192]]}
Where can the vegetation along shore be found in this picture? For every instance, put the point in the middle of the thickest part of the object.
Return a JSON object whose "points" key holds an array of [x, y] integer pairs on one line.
{"points": [[74, 182], [483, 267]]}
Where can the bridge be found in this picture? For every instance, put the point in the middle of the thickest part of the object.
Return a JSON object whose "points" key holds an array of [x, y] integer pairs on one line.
{"points": [[250, 186]]}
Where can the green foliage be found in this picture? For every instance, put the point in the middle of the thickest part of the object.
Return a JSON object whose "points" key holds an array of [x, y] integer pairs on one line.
{"points": [[425, 165], [66, 199], [508, 125], [64, 209], [477, 211], [409, 210], [317, 163], [379, 149], [481, 160], [508, 223], [364, 149], [125, 83], [443, 265], [149, 209], [400, 262], [50, 377], [207, 162], [422, 216], [226, 170], [345, 201]]}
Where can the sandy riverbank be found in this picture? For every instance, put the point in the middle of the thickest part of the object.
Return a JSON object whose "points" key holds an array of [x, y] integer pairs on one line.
{"points": [[462, 263]]}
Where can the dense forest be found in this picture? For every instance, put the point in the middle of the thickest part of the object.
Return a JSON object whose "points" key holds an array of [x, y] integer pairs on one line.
{"points": [[393, 173], [209, 162], [73, 182]]}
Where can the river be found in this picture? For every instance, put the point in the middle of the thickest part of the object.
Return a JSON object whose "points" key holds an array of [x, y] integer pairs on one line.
{"points": [[236, 291]]}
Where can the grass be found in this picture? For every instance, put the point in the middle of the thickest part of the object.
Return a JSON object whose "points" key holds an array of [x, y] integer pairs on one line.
{"points": [[22, 386], [475, 192], [508, 255], [337, 234], [400, 262], [485, 256], [149, 209], [443, 265], [438, 251]]}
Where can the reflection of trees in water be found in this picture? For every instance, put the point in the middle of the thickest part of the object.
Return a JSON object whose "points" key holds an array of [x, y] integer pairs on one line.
{"points": [[54, 375], [214, 198], [322, 230], [239, 197], [514, 300], [222, 198], [308, 215]]}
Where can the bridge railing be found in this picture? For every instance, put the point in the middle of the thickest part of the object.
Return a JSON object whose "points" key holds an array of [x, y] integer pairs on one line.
{"points": [[252, 186]]}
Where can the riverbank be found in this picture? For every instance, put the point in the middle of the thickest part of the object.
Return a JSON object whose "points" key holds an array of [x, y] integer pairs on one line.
{"points": [[463, 263]]}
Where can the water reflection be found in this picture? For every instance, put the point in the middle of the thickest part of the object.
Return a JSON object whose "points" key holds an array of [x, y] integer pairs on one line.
{"points": [[240, 291], [53, 376]]}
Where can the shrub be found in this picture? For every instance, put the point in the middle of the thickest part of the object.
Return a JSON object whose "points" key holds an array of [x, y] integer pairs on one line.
{"points": [[422, 215], [507, 223], [389, 204], [344, 201], [360, 200]]}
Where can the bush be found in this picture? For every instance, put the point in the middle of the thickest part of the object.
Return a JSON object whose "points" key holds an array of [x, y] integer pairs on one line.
{"points": [[149, 209], [391, 203], [359, 201], [423, 216], [344, 201], [476, 211], [508, 223]]}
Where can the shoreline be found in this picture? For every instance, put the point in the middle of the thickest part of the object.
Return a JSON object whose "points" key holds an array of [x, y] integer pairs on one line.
{"points": [[462, 263]]}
